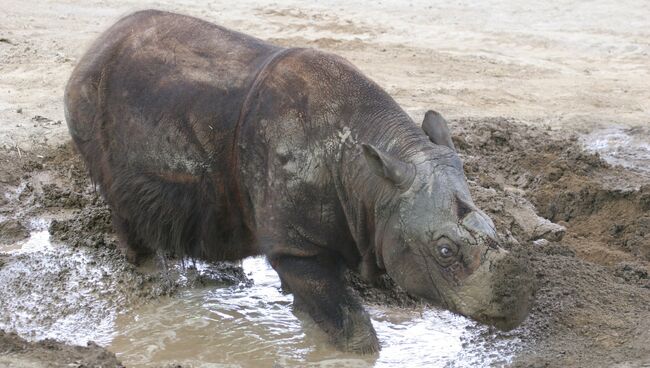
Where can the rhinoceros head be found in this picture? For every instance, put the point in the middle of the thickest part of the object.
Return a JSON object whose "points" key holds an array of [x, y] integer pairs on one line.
{"points": [[437, 244]]}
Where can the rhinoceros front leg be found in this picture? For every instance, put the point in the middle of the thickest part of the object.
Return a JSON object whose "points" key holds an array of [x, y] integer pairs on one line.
{"points": [[318, 289]]}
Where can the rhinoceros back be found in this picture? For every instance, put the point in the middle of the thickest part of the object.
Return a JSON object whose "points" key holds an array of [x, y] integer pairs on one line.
{"points": [[153, 108]]}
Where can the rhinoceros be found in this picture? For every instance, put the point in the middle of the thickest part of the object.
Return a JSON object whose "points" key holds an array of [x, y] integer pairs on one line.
{"points": [[211, 144]]}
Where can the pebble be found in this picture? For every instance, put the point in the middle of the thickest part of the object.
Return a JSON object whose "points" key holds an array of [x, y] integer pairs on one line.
{"points": [[541, 242]]}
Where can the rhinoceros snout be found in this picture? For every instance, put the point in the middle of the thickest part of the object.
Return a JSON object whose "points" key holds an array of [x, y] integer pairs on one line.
{"points": [[498, 293]]}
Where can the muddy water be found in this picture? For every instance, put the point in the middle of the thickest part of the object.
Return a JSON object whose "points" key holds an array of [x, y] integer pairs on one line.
{"points": [[51, 290], [623, 146], [255, 327]]}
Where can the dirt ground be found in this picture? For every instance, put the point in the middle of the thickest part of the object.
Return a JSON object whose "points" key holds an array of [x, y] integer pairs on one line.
{"points": [[525, 86]]}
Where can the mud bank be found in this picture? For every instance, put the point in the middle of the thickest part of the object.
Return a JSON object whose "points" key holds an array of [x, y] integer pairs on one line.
{"points": [[582, 226], [605, 208], [578, 224], [17, 352]]}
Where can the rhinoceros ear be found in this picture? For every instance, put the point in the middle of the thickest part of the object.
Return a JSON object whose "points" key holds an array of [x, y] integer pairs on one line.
{"points": [[435, 126], [398, 172]]}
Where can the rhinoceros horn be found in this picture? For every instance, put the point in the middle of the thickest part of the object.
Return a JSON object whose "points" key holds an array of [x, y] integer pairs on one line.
{"points": [[400, 173], [435, 126]]}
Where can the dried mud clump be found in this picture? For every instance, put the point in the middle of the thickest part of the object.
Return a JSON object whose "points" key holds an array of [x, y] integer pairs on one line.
{"points": [[633, 273]]}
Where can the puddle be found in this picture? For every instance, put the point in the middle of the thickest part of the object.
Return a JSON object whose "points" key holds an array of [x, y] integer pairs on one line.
{"points": [[75, 295], [255, 327], [627, 147]]}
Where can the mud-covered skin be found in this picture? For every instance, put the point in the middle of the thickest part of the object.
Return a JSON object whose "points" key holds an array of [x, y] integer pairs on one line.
{"points": [[211, 144]]}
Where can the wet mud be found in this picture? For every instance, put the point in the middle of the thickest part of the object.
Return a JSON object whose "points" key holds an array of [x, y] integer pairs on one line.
{"points": [[62, 274], [604, 207], [576, 224], [18, 352]]}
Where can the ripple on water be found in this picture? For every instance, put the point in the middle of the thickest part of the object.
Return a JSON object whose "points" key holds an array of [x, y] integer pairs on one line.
{"points": [[255, 326]]}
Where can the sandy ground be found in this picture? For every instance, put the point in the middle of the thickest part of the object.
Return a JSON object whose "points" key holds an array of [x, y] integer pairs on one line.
{"points": [[571, 65], [516, 79]]}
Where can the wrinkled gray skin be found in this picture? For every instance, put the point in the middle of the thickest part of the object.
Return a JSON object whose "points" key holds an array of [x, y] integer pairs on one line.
{"points": [[212, 144]]}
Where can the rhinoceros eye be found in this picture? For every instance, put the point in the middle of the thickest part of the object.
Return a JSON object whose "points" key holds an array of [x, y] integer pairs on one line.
{"points": [[447, 249]]}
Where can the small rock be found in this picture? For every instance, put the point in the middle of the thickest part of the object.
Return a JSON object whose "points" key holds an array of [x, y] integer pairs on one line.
{"points": [[541, 242], [631, 272], [41, 119]]}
